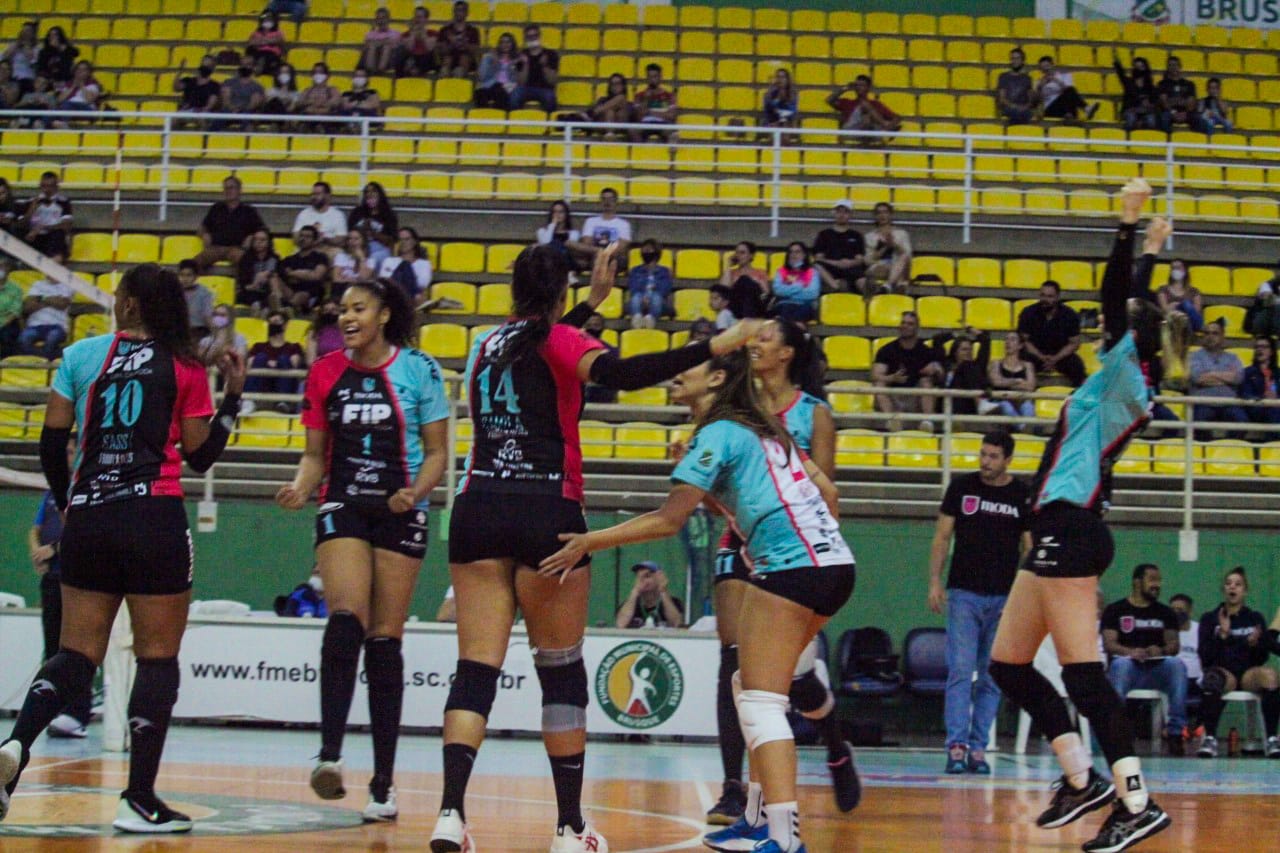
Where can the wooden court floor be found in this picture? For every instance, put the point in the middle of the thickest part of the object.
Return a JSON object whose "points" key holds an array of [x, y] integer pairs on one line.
{"points": [[250, 794]]}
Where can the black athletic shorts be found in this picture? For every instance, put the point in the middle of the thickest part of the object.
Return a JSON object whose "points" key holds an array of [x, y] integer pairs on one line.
{"points": [[822, 589], [405, 533], [730, 566], [526, 528], [132, 547], [1068, 541]]}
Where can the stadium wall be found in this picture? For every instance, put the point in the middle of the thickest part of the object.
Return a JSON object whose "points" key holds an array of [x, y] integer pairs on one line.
{"points": [[260, 552]]}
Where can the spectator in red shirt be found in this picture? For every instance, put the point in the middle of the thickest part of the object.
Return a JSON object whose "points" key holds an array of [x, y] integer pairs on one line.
{"points": [[862, 110], [417, 54], [459, 45], [655, 103], [266, 45], [275, 353]]}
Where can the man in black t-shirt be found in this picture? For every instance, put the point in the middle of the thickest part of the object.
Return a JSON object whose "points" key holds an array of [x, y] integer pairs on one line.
{"points": [[303, 274], [908, 362], [1140, 636], [1178, 102], [1050, 333], [227, 227], [839, 252], [539, 71], [650, 604], [987, 514], [199, 93]]}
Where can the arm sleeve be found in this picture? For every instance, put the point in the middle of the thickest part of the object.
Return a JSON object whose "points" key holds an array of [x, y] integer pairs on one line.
{"points": [[1117, 283], [984, 354], [708, 454], [1141, 285], [641, 371], [53, 461], [577, 316]]}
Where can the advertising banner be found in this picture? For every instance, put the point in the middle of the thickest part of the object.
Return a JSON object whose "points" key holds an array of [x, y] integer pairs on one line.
{"points": [[1259, 14]]}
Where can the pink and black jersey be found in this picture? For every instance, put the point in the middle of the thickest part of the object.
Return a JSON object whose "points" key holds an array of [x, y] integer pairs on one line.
{"points": [[374, 418], [525, 414], [131, 397]]}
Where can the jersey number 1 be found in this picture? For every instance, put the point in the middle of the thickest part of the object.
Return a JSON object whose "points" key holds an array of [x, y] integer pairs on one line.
{"points": [[122, 401], [504, 394]]}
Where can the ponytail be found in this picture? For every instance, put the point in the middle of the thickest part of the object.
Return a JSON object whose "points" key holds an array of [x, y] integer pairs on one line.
{"points": [[161, 306], [539, 279]]}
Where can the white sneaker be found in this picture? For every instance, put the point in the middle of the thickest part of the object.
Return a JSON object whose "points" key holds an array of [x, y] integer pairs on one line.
{"points": [[1273, 747], [637, 321], [326, 780], [1208, 747], [451, 834], [65, 725], [247, 407], [10, 767], [587, 841], [385, 810], [650, 321]]}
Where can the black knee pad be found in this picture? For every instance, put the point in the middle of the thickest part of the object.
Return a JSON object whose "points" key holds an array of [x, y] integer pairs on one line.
{"points": [[68, 671], [1214, 681], [563, 677], [342, 638], [384, 663], [156, 686], [475, 685], [1033, 693], [1012, 679], [1089, 690], [810, 697]]}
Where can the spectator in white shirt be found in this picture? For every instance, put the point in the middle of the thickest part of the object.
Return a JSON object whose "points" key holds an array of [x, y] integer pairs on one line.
{"points": [[353, 264], [608, 227], [48, 322], [409, 266], [1058, 98], [324, 217], [888, 254]]}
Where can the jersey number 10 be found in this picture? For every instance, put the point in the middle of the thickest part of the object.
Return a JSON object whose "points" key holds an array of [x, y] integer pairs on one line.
{"points": [[505, 393], [123, 401]]}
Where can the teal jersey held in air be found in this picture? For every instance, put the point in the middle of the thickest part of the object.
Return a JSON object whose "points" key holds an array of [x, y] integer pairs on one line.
{"points": [[778, 511]]}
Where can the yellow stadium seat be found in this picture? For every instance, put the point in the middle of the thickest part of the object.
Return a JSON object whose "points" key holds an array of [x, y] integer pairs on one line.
{"points": [[964, 52], [137, 248], [1229, 458], [1049, 408], [180, 247], [985, 312], [911, 449], [493, 299], [1245, 281], [1136, 459], [621, 15], [1269, 459], [842, 309], [1219, 207], [691, 303], [698, 264], [223, 287], [847, 352], [943, 269], [978, 272], [845, 400], [643, 397], [859, 448], [25, 371], [1025, 273], [458, 291], [1072, 275], [501, 256], [940, 312], [1090, 202], [639, 440], [641, 341], [1001, 201], [596, 438], [1168, 456], [462, 257], [268, 430], [90, 325], [443, 340], [886, 309]]}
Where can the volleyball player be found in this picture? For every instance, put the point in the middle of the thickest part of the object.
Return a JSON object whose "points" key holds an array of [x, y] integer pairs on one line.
{"points": [[376, 417], [1055, 591], [135, 396], [790, 384], [523, 487], [802, 571]]}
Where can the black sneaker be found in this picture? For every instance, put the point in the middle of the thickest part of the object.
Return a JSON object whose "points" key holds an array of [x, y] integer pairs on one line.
{"points": [[1123, 829], [1069, 804], [844, 779], [147, 813], [733, 802]]}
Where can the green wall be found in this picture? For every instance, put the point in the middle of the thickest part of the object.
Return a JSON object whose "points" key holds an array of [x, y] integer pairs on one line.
{"points": [[1006, 8], [261, 551]]}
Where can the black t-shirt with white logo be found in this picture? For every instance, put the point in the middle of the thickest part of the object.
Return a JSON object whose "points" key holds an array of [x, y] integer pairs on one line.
{"points": [[1139, 627], [990, 521]]}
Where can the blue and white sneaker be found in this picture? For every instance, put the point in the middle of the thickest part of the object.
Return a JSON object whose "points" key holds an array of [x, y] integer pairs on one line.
{"points": [[771, 846], [740, 837]]}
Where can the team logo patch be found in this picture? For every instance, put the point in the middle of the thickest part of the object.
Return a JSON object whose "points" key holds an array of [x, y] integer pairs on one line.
{"points": [[969, 505], [369, 383], [639, 685], [1126, 624]]}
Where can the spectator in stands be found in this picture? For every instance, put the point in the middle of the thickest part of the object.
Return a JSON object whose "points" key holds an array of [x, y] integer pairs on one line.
{"points": [[964, 366], [649, 288], [888, 254], [199, 299], [300, 279], [327, 220], [319, 99], [24, 54], [48, 219], [1215, 111], [1188, 643], [863, 111], [614, 106], [700, 330], [907, 362], [227, 227], [748, 285], [275, 353], [594, 393], [1057, 96], [1015, 93], [242, 95], [282, 97], [650, 604], [48, 322], [200, 92], [654, 104], [608, 227], [1262, 382], [1140, 103], [1263, 316], [10, 89], [1178, 296], [326, 333], [1178, 101], [360, 99], [296, 9], [10, 210], [1051, 335], [380, 45], [377, 220], [1215, 372], [718, 301], [1012, 373], [416, 54], [797, 286], [41, 97], [222, 339], [499, 76], [11, 298], [781, 102], [559, 232], [352, 265], [266, 47], [256, 271], [538, 70], [82, 93], [839, 252], [459, 44], [57, 56], [409, 266], [1140, 636]]}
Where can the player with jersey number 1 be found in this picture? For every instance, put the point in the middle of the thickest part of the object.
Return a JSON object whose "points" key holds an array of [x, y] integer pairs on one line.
{"points": [[376, 417], [801, 570]]}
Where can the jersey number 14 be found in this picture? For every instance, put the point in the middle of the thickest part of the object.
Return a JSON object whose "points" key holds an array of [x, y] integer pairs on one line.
{"points": [[505, 393]]}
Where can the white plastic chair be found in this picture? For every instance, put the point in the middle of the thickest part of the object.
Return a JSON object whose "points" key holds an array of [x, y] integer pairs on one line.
{"points": [[1159, 712], [1255, 733], [219, 607], [9, 599]]}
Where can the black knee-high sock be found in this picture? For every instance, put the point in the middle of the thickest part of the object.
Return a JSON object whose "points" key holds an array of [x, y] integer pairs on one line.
{"points": [[63, 677], [458, 761], [1270, 711], [384, 663], [339, 659], [566, 772], [732, 746], [831, 736], [1211, 706], [155, 690], [1095, 698]]}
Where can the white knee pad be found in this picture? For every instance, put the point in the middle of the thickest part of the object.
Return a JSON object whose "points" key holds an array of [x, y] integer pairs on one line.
{"points": [[763, 716], [808, 659]]}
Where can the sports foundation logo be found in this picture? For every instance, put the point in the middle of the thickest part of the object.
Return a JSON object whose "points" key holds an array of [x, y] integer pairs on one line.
{"points": [[639, 684]]}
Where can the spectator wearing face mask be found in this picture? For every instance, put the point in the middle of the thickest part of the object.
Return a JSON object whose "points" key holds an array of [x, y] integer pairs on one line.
{"points": [[539, 70], [1262, 382], [199, 92], [275, 353], [222, 338], [1179, 296], [282, 97], [361, 100], [266, 47], [797, 286], [326, 332], [320, 98], [242, 94], [649, 288]]}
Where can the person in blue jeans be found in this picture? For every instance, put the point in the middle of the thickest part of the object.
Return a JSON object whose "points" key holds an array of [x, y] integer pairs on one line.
{"points": [[986, 513], [649, 288], [1140, 636]]}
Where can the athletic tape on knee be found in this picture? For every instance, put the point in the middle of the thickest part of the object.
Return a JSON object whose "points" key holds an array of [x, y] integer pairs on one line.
{"points": [[343, 637], [810, 697], [475, 685], [384, 663], [808, 659], [1033, 693], [764, 717], [563, 677]]}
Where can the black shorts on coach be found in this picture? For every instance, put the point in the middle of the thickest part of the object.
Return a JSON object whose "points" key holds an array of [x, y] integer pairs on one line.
{"points": [[404, 533], [1068, 541], [527, 528], [822, 589], [131, 547]]}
